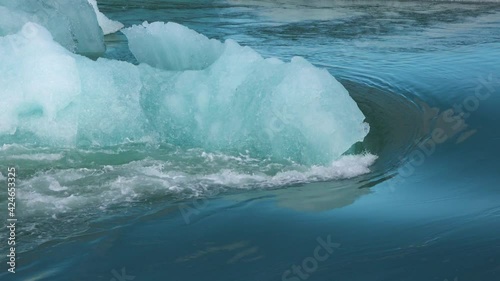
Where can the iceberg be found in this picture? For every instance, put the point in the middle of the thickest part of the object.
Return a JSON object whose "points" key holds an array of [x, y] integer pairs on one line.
{"points": [[172, 46], [231, 100], [72, 23], [108, 26], [229, 97]]}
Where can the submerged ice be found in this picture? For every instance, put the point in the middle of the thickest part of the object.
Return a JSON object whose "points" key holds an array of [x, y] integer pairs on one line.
{"points": [[189, 91]]}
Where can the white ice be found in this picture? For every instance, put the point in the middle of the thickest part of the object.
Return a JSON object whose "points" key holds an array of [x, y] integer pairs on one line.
{"points": [[108, 26]]}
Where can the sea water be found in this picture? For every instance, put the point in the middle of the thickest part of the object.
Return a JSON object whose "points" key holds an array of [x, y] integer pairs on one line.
{"points": [[108, 195]]}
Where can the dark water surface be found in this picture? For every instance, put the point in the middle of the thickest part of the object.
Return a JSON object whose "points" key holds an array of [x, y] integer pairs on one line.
{"points": [[427, 77]]}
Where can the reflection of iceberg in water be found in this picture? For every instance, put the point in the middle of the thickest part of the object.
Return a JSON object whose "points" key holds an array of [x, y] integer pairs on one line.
{"points": [[319, 197], [320, 188], [239, 101], [313, 197]]}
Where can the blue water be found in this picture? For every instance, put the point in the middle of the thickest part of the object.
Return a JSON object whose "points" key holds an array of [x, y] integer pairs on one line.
{"points": [[428, 210]]}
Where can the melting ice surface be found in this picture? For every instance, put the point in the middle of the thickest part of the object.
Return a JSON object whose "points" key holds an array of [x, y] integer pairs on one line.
{"points": [[73, 24], [78, 25], [201, 94]]}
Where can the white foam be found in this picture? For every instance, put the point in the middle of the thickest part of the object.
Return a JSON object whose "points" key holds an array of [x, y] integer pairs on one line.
{"points": [[55, 186], [182, 49], [37, 157], [346, 167], [62, 190], [12, 146]]}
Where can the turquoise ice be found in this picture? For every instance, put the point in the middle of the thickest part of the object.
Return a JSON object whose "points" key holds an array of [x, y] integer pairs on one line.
{"points": [[72, 23], [227, 99]]}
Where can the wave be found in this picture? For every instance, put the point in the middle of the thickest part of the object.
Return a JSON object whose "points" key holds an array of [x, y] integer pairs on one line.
{"points": [[70, 186], [59, 191]]}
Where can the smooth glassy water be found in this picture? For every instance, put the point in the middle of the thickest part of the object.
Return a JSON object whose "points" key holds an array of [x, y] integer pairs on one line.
{"points": [[425, 74]]}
